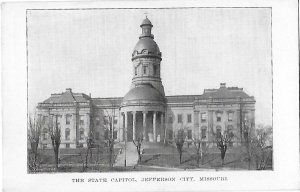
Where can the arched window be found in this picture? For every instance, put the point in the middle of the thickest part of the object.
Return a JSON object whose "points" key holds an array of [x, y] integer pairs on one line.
{"points": [[67, 134], [219, 131], [45, 134], [81, 133], [230, 129], [203, 132]]}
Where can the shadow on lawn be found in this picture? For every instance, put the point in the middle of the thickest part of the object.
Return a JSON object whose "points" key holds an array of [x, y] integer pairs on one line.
{"points": [[154, 157]]}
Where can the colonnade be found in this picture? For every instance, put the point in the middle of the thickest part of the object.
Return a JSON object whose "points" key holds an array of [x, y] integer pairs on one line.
{"points": [[138, 131]]}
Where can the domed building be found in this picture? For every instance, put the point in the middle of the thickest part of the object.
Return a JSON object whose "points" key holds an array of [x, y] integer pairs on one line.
{"points": [[145, 112], [143, 107]]}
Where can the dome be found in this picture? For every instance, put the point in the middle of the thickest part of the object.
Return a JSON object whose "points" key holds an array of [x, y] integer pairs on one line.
{"points": [[146, 44], [146, 21], [143, 92]]}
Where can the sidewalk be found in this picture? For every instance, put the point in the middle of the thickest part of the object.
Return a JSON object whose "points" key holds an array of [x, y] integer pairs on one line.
{"points": [[130, 154]]}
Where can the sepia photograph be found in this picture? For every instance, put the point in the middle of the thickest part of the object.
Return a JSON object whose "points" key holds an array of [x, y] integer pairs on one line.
{"points": [[166, 89]]}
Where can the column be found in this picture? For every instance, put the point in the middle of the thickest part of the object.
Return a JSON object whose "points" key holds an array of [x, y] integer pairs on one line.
{"points": [[144, 124], [125, 127], [154, 126], [162, 131], [121, 127], [133, 125], [199, 128]]}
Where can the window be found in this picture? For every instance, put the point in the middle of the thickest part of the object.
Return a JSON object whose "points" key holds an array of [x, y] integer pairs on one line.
{"points": [[230, 130], [219, 115], [45, 119], [59, 117], [154, 69], [68, 145], [219, 131], [170, 119], [67, 134], [135, 71], [81, 118], [106, 134], [170, 133], [39, 117], [203, 117], [106, 120], [115, 121], [144, 70], [179, 118], [203, 132], [44, 134], [115, 134], [97, 135], [97, 121], [230, 133], [81, 134], [246, 117], [230, 116], [189, 118], [68, 119], [189, 134]]}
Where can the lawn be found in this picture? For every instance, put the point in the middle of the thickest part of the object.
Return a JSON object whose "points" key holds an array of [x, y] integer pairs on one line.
{"points": [[235, 159], [71, 160]]}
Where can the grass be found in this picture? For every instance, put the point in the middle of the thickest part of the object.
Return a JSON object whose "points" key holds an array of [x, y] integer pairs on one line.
{"points": [[160, 159], [234, 159]]}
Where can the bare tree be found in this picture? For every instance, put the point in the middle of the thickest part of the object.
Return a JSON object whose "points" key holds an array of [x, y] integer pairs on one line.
{"points": [[89, 151], [111, 142], [55, 135], [199, 149], [179, 141], [138, 145], [222, 141], [261, 148], [33, 134]]}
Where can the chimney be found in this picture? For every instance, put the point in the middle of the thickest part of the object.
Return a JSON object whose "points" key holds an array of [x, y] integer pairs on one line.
{"points": [[90, 95], [222, 85], [68, 89]]}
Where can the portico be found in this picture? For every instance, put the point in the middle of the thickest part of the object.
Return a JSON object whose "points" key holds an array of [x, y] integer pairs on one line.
{"points": [[147, 124]]}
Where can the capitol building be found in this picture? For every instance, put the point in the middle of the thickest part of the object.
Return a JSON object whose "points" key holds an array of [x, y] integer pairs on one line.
{"points": [[145, 111]]}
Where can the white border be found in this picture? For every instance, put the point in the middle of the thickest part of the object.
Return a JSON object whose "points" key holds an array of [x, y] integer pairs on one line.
{"points": [[285, 120]]}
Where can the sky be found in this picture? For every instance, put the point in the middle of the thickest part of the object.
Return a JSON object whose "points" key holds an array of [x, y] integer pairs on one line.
{"points": [[90, 51]]}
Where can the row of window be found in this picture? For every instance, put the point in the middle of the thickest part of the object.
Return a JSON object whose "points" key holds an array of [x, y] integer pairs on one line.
{"points": [[180, 119], [81, 134], [68, 119], [203, 117], [67, 134]]}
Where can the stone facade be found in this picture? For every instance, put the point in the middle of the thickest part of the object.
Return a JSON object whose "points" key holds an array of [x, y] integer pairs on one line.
{"points": [[145, 111]]}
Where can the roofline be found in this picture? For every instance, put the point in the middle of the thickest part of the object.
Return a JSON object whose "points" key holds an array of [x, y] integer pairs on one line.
{"points": [[183, 95]]}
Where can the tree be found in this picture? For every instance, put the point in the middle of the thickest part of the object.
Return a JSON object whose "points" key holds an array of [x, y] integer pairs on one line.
{"points": [[199, 149], [89, 151], [261, 147], [55, 135], [179, 141], [222, 141], [138, 145], [33, 135], [111, 140], [246, 128]]}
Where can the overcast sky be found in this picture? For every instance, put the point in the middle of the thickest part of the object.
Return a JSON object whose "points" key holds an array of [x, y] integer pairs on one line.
{"points": [[90, 51]]}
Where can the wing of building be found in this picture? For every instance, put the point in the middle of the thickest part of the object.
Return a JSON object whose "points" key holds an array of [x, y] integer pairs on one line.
{"points": [[145, 111]]}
